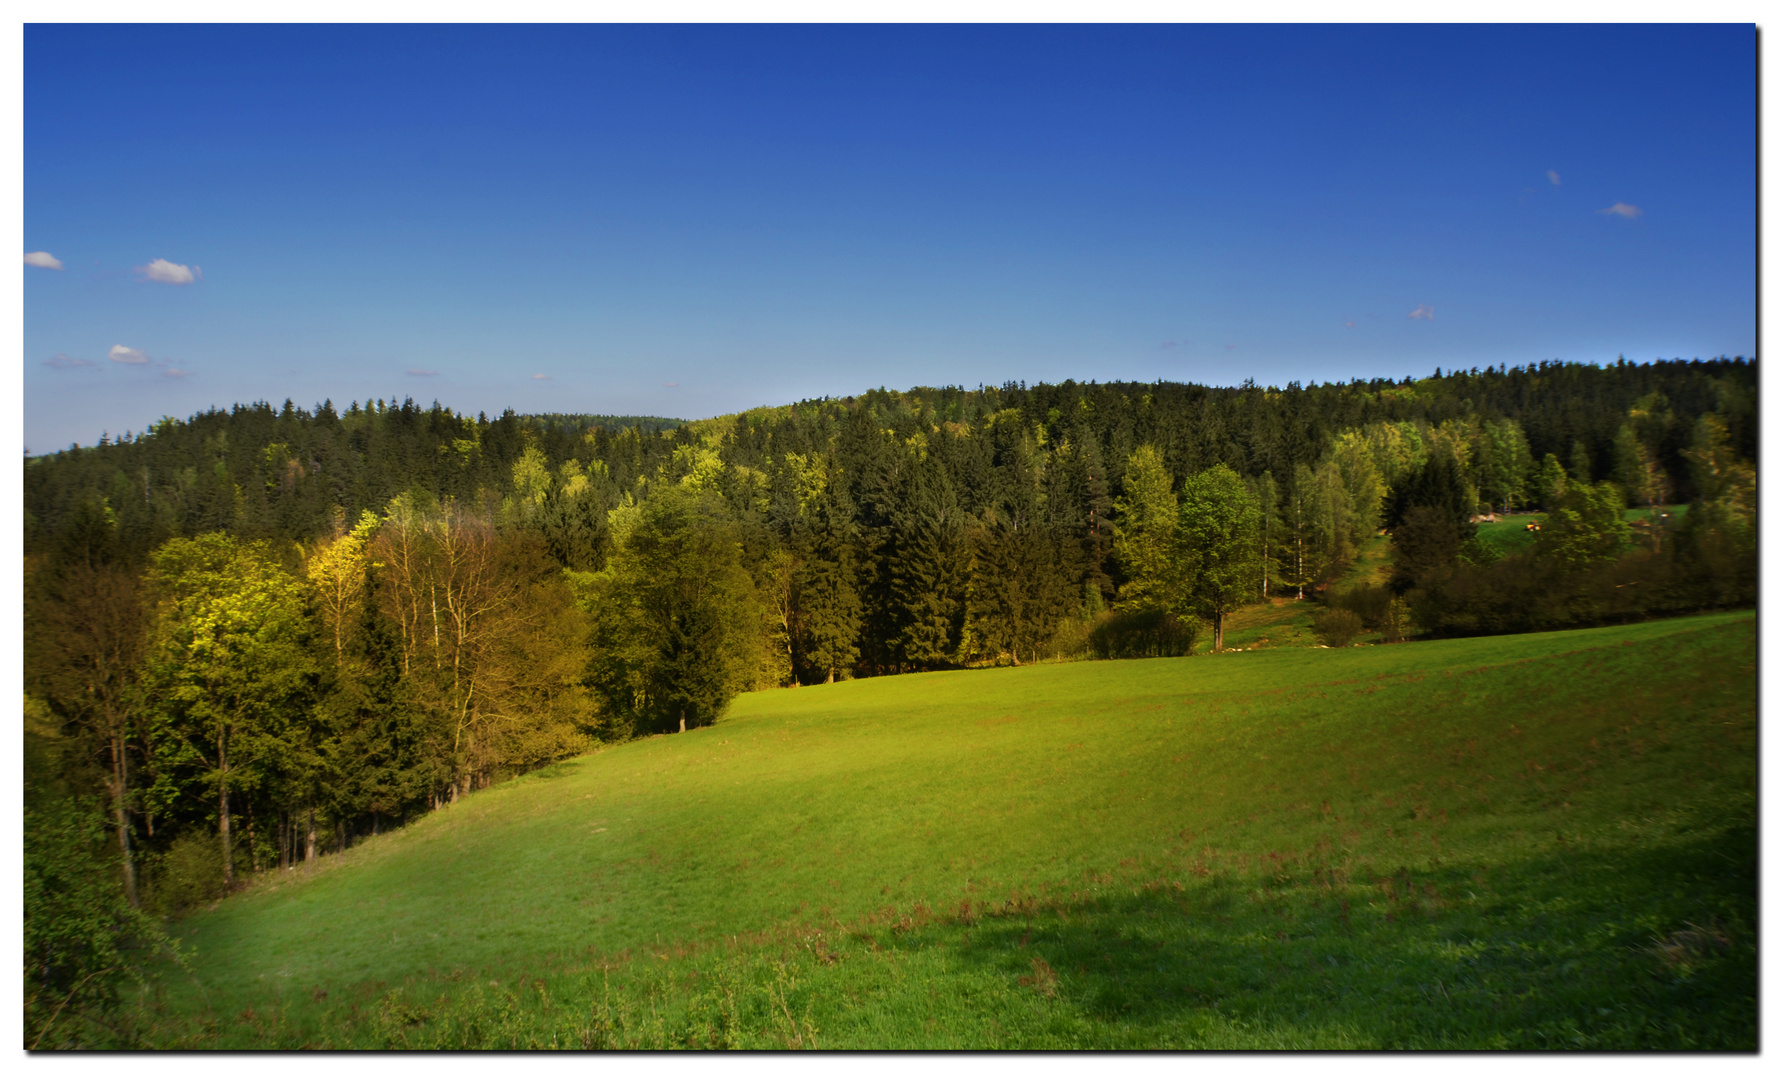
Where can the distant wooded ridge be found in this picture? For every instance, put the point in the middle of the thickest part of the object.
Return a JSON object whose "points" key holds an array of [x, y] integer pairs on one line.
{"points": [[579, 422], [283, 472]]}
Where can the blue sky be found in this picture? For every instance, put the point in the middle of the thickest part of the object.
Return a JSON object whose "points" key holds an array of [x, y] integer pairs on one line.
{"points": [[687, 221]]}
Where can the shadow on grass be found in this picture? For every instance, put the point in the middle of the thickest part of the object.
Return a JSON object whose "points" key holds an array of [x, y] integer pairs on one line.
{"points": [[1590, 948]]}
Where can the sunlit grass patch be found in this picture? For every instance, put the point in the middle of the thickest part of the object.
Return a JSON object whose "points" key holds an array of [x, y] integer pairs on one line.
{"points": [[1532, 841]]}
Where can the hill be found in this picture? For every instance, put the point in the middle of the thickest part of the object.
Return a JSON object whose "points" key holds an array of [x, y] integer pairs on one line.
{"points": [[1541, 841]]}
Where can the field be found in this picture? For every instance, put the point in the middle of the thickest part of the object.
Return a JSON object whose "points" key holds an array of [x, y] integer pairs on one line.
{"points": [[1509, 534], [1543, 842]]}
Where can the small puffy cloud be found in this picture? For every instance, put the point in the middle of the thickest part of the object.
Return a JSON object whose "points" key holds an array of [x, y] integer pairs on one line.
{"points": [[43, 259], [124, 354], [422, 373], [63, 360], [542, 376], [1553, 178], [175, 373], [170, 273], [671, 384], [1622, 209], [1424, 311]]}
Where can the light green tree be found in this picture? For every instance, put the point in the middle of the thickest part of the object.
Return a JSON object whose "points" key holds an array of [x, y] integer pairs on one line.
{"points": [[1145, 533], [1502, 463], [1586, 525], [230, 665], [1550, 481], [336, 569], [1217, 545]]}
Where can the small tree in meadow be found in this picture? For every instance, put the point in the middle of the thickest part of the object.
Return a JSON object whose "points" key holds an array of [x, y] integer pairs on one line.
{"points": [[1217, 545]]}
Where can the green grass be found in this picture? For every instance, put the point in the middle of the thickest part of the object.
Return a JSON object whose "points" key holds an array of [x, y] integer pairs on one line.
{"points": [[1542, 841], [1510, 534], [1373, 563], [1278, 623]]}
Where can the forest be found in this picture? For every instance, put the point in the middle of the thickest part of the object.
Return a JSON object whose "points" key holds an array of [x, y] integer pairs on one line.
{"points": [[254, 635]]}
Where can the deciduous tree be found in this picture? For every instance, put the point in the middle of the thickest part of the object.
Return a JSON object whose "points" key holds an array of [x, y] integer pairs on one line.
{"points": [[1217, 544]]}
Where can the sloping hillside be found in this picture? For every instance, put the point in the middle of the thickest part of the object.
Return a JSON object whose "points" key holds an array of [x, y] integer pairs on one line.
{"points": [[1535, 841]]}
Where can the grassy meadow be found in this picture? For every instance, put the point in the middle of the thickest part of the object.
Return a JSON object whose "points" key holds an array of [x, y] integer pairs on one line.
{"points": [[1545, 841]]}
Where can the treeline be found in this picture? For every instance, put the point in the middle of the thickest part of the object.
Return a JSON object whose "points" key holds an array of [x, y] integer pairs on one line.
{"points": [[257, 634]]}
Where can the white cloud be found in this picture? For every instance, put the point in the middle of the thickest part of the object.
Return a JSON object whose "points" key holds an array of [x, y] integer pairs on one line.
{"points": [[1553, 178], [170, 273], [124, 354], [175, 373], [1424, 311], [43, 259], [422, 373], [63, 360], [542, 375], [1622, 209]]}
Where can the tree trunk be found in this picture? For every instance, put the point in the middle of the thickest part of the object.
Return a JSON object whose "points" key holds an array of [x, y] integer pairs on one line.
{"points": [[120, 770], [830, 678], [1219, 631], [309, 843], [253, 848], [223, 811], [1299, 571], [683, 719]]}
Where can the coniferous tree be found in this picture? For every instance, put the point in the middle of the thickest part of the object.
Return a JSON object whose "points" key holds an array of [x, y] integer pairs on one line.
{"points": [[826, 582], [927, 566], [675, 617]]}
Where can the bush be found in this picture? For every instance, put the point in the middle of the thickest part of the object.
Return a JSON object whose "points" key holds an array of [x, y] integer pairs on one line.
{"points": [[1121, 635], [188, 875], [1372, 602], [1336, 627], [82, 938], [1396, 624]]}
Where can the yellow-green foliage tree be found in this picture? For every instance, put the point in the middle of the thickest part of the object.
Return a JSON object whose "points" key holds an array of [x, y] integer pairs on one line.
{"points": [[336, 570], [231, 666], [1585, 526], [1145, 522]]}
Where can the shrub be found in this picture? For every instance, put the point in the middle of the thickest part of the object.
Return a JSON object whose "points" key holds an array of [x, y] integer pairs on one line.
{"points": [[1371, 602], [1336, 627], [1120, 635], [82, 938], [1396, 624], [188, 875]]}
